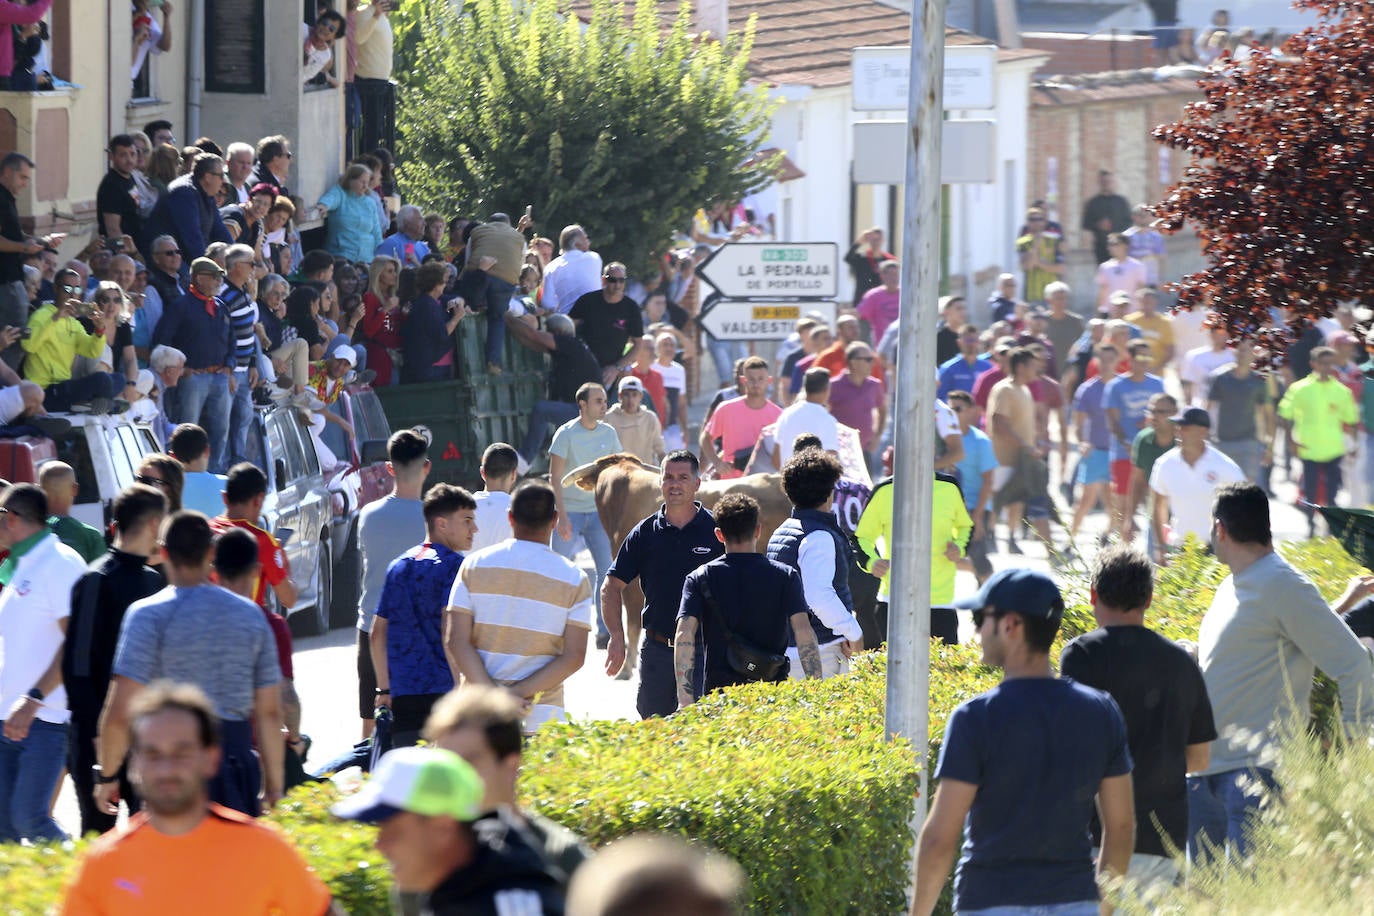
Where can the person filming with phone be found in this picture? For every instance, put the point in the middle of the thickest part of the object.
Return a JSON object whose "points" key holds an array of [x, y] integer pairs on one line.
{"points": [[58, 333]]}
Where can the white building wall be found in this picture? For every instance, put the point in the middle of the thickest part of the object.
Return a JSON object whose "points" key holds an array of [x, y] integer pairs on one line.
{"points": [[816, 129]]}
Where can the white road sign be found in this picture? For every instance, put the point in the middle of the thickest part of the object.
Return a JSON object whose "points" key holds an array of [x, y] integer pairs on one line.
{"points": [[730, 320], [880, 77], [773, 270]]}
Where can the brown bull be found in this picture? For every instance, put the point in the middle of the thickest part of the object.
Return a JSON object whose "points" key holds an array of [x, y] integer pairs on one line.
{"points": [[627, 491]]}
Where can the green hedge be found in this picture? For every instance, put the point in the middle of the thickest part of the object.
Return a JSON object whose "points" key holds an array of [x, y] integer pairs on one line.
{"points": [[794, 780]]}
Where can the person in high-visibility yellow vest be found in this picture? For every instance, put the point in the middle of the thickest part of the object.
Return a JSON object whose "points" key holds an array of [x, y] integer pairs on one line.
{"points": [[951, 527]]}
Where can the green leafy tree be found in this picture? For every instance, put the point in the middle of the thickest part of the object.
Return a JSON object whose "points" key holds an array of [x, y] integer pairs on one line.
{"points": [[626, 125]]}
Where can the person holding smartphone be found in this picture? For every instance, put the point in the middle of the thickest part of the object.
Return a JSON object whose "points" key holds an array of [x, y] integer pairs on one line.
{"points": [[58, 333]]}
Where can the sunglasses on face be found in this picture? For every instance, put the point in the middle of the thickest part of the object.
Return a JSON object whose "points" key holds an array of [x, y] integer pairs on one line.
{"points": [[72, 290], [170, 252], [983, 614], [614, 279], [151, 481]]}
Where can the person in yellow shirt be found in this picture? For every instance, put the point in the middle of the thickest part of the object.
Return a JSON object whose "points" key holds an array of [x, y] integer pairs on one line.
{"points": [[55, 337], [1321, 410], [1156, 328], [951, 527]]}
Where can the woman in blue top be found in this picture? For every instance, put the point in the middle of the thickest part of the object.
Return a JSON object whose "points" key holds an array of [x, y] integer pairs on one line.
{"points": [[352, 227]]}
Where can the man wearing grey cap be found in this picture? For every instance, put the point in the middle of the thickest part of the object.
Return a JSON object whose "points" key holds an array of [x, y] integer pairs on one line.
{"points": [[1184, 480], [1020, 766]]}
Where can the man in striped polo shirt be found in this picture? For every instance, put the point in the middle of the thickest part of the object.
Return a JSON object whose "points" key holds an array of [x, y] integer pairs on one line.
{"points": [[243, 314], [519, 614]]}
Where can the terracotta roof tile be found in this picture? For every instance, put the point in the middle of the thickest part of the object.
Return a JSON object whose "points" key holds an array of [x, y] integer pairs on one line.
{"points": [[1104, 87], [809, 42]]}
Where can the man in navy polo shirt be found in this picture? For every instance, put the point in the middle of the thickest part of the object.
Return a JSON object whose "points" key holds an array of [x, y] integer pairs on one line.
{"points": [[1019, 768], [661, 550]]}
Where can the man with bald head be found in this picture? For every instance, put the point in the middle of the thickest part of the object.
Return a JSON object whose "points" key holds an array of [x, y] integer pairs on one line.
{"points": [[58, 480]]}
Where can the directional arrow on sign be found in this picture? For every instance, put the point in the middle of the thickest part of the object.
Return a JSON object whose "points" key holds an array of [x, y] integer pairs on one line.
{"points": [[773, 270]]}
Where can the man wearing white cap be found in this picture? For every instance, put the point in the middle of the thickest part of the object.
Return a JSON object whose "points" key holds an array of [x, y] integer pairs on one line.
{"points": [[427, 804], [640, 431], [325, 385]]}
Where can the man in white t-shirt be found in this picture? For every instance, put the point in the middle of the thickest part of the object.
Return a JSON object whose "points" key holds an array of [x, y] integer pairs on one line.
{"points": [[1120, 272], [1185, 478], [500, 470], [38, 576], [519, 614], [807, 415], [1200, 363]]}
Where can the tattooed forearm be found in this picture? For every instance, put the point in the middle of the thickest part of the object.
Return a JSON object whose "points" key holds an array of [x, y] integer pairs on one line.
{"points": [[684, 661], [810, 654]]}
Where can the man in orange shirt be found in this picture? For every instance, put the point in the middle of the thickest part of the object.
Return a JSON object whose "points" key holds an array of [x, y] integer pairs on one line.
{"points": [[833, 359], [182, 853]]}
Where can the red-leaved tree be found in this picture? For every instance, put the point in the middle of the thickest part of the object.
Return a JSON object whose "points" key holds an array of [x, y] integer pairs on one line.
{"points": [[1281, 189]]}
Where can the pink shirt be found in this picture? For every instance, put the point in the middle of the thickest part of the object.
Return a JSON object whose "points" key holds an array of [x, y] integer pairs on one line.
{"points": [[879, 308], [737, 426], [18, 14], [853, 405]]}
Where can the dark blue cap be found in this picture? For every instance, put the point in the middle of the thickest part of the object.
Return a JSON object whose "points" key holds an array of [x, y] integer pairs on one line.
{"points": [[1025, 591]]}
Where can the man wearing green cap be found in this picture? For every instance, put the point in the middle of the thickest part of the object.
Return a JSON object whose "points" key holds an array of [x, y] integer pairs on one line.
{"points": [[427, 804], [1020, 765]]}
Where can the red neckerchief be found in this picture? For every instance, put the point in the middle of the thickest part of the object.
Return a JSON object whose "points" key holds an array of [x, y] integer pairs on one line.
{"points": [[208, 300]]}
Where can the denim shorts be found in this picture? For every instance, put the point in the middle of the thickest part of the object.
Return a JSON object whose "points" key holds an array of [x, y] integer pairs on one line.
{"points": [[1095, 467]]}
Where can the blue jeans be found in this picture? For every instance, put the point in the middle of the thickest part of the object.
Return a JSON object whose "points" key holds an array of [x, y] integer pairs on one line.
{"points": [[586, 527], [543, 415], [1222, 809], [29, 770], [1078, 908], [723, 354], [204, 399], [240, 418], [498, 297], [60, 396]]}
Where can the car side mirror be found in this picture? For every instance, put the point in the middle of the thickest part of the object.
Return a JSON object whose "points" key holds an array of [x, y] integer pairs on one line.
{"points": [[373, 451], [279, 467]]}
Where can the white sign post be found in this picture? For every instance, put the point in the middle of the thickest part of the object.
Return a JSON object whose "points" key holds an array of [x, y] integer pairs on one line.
{"points": [[773, 270], [880, 77]]}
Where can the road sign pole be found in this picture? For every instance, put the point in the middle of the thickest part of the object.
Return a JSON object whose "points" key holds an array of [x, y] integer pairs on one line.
{"points": [[908, 663]]}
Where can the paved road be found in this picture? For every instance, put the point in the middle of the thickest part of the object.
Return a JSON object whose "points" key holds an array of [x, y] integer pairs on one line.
{"points": [[326, 679]]}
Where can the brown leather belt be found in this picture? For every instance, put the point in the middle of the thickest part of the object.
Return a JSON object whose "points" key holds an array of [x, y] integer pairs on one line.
{"points": [[659, 637]]}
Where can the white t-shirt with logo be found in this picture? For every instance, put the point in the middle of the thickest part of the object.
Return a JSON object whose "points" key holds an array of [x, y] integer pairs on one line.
{"points": [[1189, 489]]}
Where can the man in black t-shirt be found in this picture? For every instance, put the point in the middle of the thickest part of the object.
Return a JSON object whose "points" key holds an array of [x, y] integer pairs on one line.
{"points": [[607, 320], [117, 200], [756, 598], [1162, 696], [16, 171], [571, 366]]}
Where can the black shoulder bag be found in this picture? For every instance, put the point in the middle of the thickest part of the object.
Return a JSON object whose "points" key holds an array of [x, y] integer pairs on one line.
{"points": [[745, 659]]}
